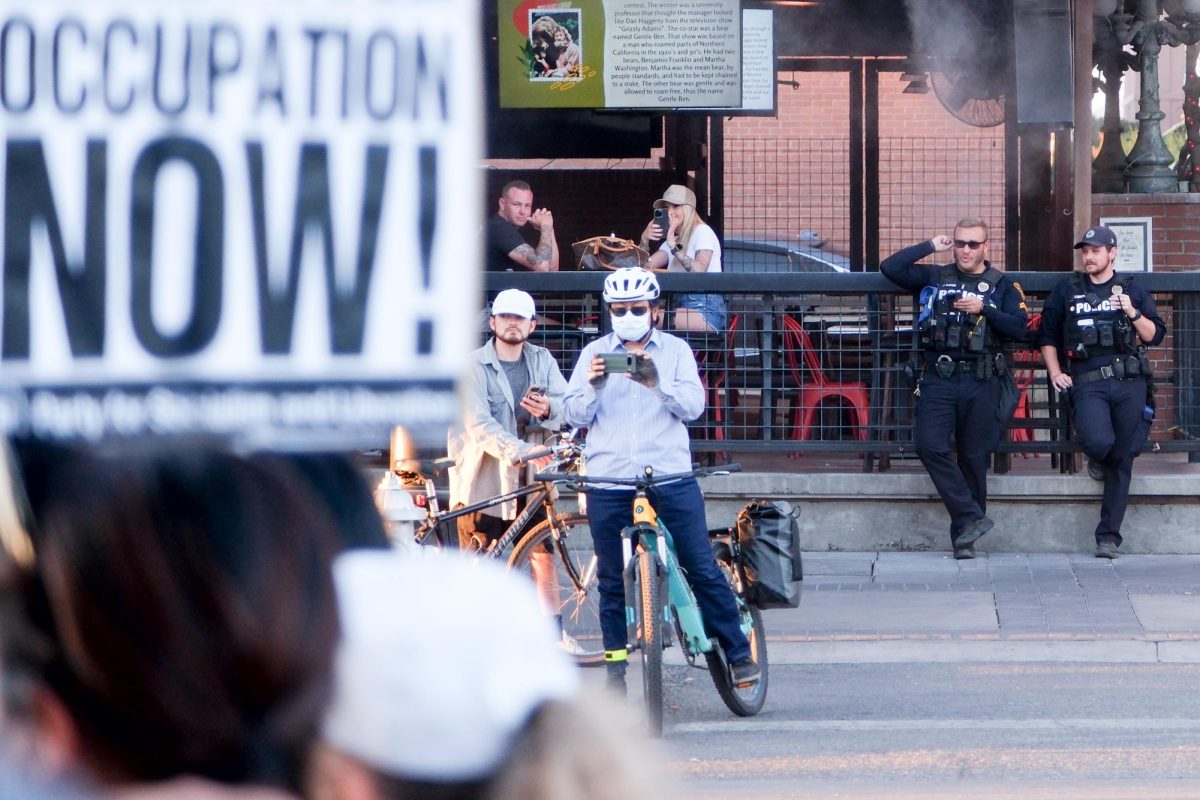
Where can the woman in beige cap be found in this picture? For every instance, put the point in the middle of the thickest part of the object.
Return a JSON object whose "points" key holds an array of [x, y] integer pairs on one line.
{"points": [[690, 245]]}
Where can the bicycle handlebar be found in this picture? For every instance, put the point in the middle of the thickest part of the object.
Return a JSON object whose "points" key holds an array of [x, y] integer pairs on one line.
{"points": [[584, 481], [563, 451]]}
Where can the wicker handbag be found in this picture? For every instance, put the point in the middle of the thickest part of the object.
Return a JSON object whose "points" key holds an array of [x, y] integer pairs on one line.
{"points": [[609, 252]]}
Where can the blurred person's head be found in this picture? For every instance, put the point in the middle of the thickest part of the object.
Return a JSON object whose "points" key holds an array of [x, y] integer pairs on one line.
{"points": [[338, 482], [450, 684], [177, 618]]}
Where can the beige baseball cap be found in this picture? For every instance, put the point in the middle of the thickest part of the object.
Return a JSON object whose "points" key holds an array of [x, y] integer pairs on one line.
{"points": [[676, 195]]}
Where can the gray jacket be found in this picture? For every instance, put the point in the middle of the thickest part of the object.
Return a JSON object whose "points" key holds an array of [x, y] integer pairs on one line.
{"points": [[486, 449]]}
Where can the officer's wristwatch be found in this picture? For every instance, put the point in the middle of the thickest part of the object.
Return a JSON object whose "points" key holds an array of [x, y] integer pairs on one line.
{"points": [[1137, 314]]}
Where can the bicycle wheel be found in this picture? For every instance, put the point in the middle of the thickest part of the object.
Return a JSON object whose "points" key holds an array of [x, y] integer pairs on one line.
{"points": [[745, 701], [564, 570], [651, 645]]}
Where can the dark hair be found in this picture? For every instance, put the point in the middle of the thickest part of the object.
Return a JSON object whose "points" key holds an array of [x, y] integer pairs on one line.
{"points": [[181, 607], [336, 481], [521, 185]]}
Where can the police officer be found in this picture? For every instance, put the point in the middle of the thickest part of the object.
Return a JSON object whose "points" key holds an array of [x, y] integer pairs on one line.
{"points": [[1103, 324], [968, 309]]}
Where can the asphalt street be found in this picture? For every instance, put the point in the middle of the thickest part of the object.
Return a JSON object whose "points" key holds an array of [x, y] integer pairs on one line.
{"points": [[907, 675]]}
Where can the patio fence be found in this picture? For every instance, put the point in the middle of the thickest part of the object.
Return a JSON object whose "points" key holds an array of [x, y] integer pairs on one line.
{"points": [[815, 363]]}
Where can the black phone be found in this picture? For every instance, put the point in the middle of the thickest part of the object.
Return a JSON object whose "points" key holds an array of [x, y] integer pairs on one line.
{"points": [[664, 221], [619, 362], [537, 391]]}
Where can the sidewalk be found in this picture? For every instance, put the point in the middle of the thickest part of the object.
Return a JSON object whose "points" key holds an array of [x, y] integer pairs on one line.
{"points": [[925, 606]]}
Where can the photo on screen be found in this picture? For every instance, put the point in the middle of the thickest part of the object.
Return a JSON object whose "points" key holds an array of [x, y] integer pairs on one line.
{"points": [[554, 51]]}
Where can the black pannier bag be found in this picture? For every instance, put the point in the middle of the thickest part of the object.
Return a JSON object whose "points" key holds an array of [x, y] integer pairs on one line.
{"points": [[769, 539]]}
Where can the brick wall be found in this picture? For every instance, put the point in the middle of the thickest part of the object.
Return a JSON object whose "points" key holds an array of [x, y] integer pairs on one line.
{"points": [[789, 174], [1175, 248]]}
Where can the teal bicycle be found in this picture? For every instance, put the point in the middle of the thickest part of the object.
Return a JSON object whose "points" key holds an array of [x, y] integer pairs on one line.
{"points": [[659, 601]]}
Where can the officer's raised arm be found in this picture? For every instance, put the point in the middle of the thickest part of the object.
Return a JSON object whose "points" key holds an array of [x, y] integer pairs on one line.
{"points": [[902, 269]]}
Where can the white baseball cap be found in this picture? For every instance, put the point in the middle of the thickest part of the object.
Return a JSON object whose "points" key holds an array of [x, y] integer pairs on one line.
{"points": [[441, 662], [515, 302]]}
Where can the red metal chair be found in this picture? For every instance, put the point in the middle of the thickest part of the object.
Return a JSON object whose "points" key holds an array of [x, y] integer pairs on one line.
{"points": [[797, 348], [717, 394], [1023, 368]]}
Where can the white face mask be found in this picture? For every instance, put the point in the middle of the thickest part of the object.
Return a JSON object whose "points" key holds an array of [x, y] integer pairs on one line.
{"points": [[629, 327]]}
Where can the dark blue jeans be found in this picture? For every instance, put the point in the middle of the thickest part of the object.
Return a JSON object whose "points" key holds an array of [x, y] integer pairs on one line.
{"points": [[680, 506]]}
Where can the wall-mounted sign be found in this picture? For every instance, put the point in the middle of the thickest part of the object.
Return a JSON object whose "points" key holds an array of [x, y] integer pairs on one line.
{"points": [[240, 217], [620, 54], [1135, 242], [759, 76]]}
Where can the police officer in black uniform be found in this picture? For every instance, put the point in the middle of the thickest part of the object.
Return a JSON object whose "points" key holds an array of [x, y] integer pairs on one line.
{"points": [[1103, 325], [968, 309]]}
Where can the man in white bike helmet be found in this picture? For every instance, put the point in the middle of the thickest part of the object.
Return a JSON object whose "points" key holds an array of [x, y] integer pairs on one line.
{"points": [[635, 419]]}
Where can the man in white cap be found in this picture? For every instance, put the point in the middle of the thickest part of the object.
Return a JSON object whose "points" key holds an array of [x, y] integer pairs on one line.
{"points": [[512, 401]]}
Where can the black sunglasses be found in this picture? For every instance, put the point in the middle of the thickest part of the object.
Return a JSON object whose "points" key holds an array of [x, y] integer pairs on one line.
{"points": [[971, 243], [639, 311]]}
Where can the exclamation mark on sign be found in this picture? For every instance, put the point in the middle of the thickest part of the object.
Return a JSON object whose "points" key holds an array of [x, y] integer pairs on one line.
{"points": [[426, 226]]}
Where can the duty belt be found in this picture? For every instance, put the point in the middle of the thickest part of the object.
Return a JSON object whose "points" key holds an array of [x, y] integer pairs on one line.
{"points": [[947, 366], [1120, 369]]}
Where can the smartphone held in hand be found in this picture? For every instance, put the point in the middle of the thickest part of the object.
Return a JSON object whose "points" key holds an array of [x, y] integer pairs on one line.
{"points": [[619, 362], [664, 221]]}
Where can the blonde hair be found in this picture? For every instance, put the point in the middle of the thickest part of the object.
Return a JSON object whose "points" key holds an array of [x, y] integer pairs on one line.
{"points": [[582, 749], [691, 219]]}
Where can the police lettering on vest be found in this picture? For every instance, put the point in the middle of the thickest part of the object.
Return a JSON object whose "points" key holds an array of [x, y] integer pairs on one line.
{"points": [[944, 328], [1097, 326]]}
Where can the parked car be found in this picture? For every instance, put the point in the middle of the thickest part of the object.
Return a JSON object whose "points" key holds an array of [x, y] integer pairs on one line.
{"points": [[766, 255]]}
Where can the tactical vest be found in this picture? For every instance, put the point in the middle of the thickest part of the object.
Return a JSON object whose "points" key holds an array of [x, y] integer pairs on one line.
{"points": [[942, 328], [1096, 326]]}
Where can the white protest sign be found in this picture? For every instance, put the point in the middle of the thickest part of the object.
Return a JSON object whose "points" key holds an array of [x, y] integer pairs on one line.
{"points": [[237, 217]]}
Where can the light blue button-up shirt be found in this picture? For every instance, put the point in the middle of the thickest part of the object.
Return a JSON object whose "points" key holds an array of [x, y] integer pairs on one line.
{"points": [[629, 426]]}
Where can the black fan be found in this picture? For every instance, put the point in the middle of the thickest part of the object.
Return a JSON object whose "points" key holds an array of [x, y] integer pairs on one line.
{"points": [[974, 95], [969, 49]]}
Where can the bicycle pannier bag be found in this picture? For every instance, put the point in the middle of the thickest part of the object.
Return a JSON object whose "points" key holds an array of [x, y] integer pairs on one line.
{"points": [[770, 542]]}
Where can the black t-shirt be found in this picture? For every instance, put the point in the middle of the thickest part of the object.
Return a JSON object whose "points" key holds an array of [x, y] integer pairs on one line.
{"points": [[502, 238]]}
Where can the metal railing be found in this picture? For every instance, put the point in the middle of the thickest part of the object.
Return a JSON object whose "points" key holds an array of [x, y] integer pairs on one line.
{"points": [[814, 363]]}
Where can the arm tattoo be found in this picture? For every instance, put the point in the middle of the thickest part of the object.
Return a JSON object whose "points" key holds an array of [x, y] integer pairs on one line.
{"points": [[686, 261], [527, 253]]}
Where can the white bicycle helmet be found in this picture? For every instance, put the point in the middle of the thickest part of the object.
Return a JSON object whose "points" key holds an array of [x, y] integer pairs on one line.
{"points": [[630, 284]]}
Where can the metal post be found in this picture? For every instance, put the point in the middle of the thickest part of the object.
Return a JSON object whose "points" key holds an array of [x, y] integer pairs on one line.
{"points": [[1108, 170], [1150, 161], [1081, 152]]}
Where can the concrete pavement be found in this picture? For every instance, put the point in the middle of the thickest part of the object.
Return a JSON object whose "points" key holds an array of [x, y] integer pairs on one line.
{"points": [[925, 606]]}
